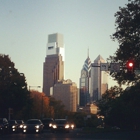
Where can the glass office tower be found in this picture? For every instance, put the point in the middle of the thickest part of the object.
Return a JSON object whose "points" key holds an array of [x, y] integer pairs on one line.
{"points": [[85, 80]]}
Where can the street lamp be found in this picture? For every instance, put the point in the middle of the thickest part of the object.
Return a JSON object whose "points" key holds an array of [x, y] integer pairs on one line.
{"points": [[42, 109], [33, 87]]}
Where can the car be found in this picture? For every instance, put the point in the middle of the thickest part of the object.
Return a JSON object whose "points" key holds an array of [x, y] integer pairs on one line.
{"points": [[47, 122], [20, 125], [13, 126], [115, 127], [33, 125], [72, 125], [100, 126], [60, 125], [4, 126]]}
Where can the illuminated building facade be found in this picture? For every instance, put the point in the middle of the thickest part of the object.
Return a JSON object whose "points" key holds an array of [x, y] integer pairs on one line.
{"points": [[53, 68]]}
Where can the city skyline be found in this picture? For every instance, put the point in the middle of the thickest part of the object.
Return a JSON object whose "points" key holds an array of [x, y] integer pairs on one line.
{"points": [[25, 26]]}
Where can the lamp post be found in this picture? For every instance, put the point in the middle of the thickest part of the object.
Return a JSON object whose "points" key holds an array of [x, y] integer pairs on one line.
{"points": [[33, 87], [42, 112]]}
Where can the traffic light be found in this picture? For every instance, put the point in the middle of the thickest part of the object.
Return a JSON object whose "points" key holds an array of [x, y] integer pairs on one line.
{"points": [[130, 66], [130, 70]]}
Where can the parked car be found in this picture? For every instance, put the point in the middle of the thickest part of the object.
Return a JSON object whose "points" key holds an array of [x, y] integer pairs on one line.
{"points": [[4, 126], [60, 125], [20, 125], [13, 126], [47, 122], [33, 125]]}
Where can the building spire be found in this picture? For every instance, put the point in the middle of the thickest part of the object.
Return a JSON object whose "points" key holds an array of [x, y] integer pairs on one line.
{"points": [[88, 52]]}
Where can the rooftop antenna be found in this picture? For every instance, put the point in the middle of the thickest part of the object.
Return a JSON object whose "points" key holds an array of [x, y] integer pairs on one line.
{"points": [[88, 52]]}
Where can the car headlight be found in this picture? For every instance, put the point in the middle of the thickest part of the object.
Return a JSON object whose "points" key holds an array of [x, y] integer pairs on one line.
{"points": [[21, 126], [54, 126], [67, 126], [13, 126], [50, 125], [37, 126], [72, 126], [24, 126]]}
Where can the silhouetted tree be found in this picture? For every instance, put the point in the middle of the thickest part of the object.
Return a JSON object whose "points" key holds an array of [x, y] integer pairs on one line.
{"points": [[13, 88], [131, 104], [122, 110], [108, 99], [58, 107]]}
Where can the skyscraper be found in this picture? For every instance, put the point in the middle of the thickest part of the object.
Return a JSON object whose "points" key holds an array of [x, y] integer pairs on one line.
{"points": [[53, 68], [99, 79], [85, 82]]}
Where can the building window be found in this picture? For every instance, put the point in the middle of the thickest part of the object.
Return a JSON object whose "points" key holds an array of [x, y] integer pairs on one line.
{"points": [[82, 80], [51, 47], [82, 84]]}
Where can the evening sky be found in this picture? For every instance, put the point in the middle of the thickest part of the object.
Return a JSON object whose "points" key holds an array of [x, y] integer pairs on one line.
{"points": [[85, 24]]}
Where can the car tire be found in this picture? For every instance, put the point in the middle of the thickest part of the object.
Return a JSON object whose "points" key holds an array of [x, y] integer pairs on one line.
{"points": [[23, 132]]}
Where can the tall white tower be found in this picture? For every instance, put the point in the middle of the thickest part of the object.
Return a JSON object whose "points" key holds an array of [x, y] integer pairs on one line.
{"points": [[53, 67], [55, 45], [99, 79]]}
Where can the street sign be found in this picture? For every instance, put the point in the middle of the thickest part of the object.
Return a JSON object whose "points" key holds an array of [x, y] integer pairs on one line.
{"points": [[104, 66], [115, 67]]}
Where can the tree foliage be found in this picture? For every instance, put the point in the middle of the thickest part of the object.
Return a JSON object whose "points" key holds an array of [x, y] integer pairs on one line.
{"points": [[58, 107], [13, 88], [108, 99], [40, 106], [128, 36], [122, 110]]}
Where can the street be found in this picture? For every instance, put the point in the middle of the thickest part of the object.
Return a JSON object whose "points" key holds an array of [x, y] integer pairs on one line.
{"points": [[73, 135]]}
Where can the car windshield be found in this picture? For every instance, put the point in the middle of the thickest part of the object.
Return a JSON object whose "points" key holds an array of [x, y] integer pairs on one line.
{"points": [[60, 121], [33, 122], [47, 121], [19, 121], [12, 122]]}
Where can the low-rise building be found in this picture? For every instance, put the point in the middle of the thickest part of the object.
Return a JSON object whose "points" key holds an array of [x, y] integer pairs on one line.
{"points": [[89, 109], [67, 92]]}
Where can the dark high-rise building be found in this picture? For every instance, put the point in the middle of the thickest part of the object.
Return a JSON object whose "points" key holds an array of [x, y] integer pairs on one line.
{"points": [[53, 69], [85, 80]]}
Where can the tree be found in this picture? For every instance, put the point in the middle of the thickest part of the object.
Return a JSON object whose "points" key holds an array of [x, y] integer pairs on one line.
{"points": [[131, 101], [108, 99], [58, 107], [128, 36], [122, 110], [40, 106], [13, 88]]}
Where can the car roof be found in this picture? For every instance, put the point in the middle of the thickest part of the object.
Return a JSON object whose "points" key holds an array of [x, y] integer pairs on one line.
{"points": [[3, 119], [47, 119], [61, 119], [12, 120], [33, 120]]}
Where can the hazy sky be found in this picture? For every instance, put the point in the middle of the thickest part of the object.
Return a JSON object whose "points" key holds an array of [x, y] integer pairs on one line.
{"points": [[25, 25]]}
